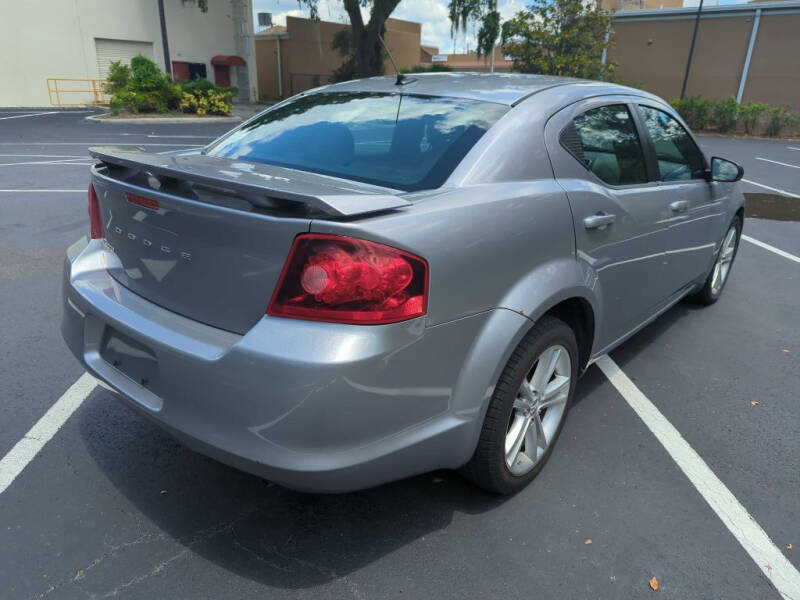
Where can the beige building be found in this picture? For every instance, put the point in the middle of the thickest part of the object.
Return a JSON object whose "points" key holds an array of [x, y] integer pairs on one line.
{"points": [[749, 51], [78, 39], [299, 56]]}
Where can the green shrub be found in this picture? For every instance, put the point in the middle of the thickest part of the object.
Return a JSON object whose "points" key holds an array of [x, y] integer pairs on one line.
{"points": [[144, 88], [141, 88], [434, 68], [779, 117], [204, 98], [725, 113], [749, 113], [118, 77], [696, 111]]}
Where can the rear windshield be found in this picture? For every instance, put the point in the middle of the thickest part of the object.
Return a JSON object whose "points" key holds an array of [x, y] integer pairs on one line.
{"points": [[398, 141]]}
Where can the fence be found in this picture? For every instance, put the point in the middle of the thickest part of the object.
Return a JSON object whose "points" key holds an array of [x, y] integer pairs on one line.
{"points": [[76, 92]]}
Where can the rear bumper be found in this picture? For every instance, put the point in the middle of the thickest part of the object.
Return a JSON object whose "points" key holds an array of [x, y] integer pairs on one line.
{"points": [[311, 406]]}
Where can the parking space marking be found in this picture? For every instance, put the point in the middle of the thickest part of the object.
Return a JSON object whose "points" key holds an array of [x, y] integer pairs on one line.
{"points": [[42, 191], [773, 189], [25, 450], [28, 115], [777, 162], [97, 144], [64, 156], [777, 251], [793, 148], [767, 556], [65, 161]]}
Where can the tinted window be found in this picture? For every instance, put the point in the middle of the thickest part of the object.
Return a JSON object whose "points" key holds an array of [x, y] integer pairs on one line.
{"points": [[604, 139], [678, 156], [399, 141]]}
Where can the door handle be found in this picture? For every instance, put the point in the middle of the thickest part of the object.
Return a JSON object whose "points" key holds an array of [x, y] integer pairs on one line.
{"points": [[679, 206], [599, 221]]}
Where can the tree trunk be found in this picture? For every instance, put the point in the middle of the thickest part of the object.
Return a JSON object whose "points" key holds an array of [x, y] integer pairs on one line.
{"points": [[369, 55]]}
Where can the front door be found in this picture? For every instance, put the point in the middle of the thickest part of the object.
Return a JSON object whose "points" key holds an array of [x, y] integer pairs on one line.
{"points": [[222, 75], [694, 213], [599, 159]]}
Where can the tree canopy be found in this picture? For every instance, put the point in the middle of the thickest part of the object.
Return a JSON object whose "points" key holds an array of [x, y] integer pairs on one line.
{"points": [[559, 37], [367, 50]]}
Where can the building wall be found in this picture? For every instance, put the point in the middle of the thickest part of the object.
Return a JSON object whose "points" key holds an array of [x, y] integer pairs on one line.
{"points": [[639, 4], [308, 60], [774, 74], [56, 38], [652, 53]]}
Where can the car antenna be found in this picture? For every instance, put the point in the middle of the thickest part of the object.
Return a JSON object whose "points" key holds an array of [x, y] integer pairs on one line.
{"points": [[400, 77]]}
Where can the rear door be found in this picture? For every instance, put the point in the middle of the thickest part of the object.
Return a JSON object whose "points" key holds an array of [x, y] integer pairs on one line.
{"points": [[599, 159], [693, 209]]}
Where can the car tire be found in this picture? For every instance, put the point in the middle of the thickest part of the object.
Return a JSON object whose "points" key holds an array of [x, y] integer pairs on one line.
{"points": [[723, 263], [494, 466]]}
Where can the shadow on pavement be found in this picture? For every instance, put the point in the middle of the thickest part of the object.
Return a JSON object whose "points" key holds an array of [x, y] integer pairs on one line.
{"points": [[260, 530]]}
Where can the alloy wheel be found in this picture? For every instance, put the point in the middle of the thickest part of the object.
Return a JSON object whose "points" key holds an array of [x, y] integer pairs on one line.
{"points": [[538, 409], [723, 265]]}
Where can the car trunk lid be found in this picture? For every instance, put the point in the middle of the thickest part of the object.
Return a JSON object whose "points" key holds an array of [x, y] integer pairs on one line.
{"points": [[207, 237]]}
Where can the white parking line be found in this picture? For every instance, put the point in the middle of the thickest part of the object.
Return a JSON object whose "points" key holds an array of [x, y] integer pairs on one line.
{"points": [[24, 116], [793, 148], [106, 143], [44, 155], [767, 556], [774, 189], [777, 162], [65, 161], [153, 135], [36, 191], [777, 251], [25, 450]]}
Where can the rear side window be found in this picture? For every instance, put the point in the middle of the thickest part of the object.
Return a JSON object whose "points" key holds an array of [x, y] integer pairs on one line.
{"points": [[678, 156], [605, 141], [399, 141]]}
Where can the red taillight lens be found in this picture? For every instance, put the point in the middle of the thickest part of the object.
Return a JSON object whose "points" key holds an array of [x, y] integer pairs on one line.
{"points": [[95, 225], [348, 280]]}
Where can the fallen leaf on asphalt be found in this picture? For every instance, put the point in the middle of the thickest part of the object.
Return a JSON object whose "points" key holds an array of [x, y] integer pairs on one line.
{"points": [[786, 351], [754, 403], [654, 584], [768, 567], [589, 541], [788, 546]]}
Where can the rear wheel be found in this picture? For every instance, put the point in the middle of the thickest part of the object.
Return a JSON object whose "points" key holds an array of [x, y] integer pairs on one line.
{"points": [[528, 409], [712, 289]]}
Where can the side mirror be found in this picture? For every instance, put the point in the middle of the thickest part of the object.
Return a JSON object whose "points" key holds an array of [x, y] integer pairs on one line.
{"points": [[725, 170]]}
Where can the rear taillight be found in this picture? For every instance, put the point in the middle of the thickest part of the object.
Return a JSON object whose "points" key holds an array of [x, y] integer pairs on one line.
{"points": [[348, 280], [95, 224]]}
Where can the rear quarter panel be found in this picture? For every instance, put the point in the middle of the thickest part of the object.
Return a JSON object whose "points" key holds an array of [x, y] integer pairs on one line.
{"points": [[505, 245]]}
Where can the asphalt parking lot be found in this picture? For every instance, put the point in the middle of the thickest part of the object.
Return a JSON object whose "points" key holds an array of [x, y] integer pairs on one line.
{"points": [[111, 506]]}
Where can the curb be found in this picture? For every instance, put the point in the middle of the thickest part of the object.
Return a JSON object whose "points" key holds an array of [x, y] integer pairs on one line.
{"points": [[151, 120]]}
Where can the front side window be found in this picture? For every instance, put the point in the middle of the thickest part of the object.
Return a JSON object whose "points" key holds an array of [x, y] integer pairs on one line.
{"points": [[604, 139], [399, 141], [678, 156]]}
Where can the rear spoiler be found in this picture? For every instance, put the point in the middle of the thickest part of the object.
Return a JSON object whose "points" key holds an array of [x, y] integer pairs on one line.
{"points": [[256, 182]]}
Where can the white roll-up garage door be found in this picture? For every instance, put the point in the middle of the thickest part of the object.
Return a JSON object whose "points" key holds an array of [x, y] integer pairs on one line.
{"points": [[121, 50]]}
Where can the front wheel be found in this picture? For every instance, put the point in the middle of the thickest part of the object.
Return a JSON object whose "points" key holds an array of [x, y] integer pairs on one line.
{"points": [[712, 288], [527, 410]]}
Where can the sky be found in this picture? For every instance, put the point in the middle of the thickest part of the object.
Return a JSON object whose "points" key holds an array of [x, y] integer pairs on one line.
{"points": [[432, 14]]}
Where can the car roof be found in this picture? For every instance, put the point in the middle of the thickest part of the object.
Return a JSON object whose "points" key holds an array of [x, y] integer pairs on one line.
{"points": [[502, 88]]}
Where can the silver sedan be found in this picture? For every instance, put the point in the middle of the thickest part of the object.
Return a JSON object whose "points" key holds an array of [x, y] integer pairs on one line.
{"points": [[375, 279]]}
